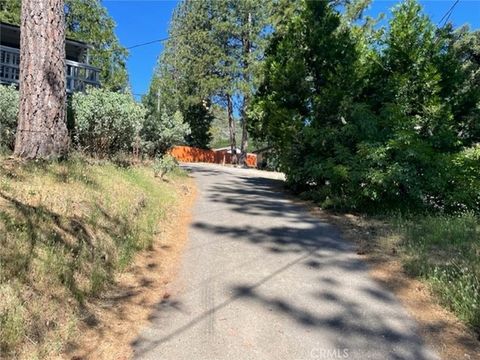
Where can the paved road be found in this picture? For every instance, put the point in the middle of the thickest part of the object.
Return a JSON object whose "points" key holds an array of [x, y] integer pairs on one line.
{"points": [[262, 279]]}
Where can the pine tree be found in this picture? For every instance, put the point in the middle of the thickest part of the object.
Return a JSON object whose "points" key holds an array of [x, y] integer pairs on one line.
{"points": [[212, 57], [42, 131]]}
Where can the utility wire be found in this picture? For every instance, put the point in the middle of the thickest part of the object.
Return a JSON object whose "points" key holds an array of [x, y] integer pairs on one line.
{"points": [[447, 15], [147, 43]]}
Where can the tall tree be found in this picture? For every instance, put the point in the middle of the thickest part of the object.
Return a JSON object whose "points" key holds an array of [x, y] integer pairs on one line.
{"points": [[251, 20], [183, 77], [42, 130], [212, 57], [364, 117], [306, 92]]}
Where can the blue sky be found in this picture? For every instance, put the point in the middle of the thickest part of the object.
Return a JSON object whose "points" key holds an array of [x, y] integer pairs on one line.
{"points": [[140, 21]]}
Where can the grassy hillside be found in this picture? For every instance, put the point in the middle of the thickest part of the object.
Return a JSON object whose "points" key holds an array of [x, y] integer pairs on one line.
{"points": [[65, 229]]}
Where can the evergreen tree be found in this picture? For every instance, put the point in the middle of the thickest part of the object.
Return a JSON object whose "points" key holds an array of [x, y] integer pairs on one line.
{"points": [[184, 79], [42, 130], [363, 117], [306, 93], [212, 57]]}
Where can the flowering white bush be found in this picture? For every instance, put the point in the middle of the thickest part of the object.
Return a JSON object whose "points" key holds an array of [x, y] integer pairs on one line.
{"points": [[106, 122], [8, 115]]}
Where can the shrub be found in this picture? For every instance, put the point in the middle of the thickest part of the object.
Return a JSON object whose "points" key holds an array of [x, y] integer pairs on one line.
{"points": [[160, 134], [106, 122], [462, 182], [163, 165], [8, 115]]}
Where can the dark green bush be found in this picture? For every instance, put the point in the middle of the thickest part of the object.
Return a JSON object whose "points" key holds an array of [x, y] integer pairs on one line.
{"points": [[369, 119], [8, 115]]}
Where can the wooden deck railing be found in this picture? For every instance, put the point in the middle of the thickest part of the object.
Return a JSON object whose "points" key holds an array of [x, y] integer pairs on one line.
{"points": [[78, 75]]}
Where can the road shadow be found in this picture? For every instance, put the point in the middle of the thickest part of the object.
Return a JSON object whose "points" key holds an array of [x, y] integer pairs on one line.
{"points": [[312, 247]]}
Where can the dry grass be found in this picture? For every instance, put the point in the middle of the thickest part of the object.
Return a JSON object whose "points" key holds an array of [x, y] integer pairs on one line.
{"points": [[66, 230]]}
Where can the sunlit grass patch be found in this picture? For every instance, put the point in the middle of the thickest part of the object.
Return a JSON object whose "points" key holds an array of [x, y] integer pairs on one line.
{"points": [[66, 228], [444, 250]]}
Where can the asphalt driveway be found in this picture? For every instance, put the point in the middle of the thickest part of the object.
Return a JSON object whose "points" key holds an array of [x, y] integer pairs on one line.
{"points": [[262, 279]]}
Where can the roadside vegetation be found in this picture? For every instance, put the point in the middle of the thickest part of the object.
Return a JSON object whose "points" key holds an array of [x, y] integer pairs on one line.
{"points": [[444, 251], [66, 228], [69, 227]]}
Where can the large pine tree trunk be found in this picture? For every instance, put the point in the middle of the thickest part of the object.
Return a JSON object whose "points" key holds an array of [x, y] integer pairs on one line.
{"points": [[42, 131]]}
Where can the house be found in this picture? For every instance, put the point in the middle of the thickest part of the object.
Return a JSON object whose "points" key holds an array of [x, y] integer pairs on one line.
{"points": [[223, 156], [227, 150], [265, 158], [79, 72]]}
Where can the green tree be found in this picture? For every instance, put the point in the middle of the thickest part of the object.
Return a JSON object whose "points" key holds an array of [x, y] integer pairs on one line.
{"points": [[212, 57], [219, 128], [306, 93], [366, 117], [461, 66], [184, 76]]}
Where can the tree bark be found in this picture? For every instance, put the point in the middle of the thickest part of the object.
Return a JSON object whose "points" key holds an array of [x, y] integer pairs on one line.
{"points": [[246, 53], [42, 130], [244, 144], [231, 127]]}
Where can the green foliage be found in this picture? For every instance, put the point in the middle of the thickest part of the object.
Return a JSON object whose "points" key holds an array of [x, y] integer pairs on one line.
{"points": [[444, 251], [214, 52], [182, 81], [106, 122], [87, 21], [219, 128], [8, 115], [10, 11], [161, 133], [306, 92], [199, 120], [164, 165], [368, 118]]}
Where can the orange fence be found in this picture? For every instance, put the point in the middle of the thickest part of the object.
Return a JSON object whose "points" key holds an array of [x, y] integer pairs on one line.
{"points": [[191, 154]]}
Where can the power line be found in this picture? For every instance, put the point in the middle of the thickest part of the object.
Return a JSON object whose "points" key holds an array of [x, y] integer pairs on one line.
{"points": [[447, 15], [147, 43]]}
